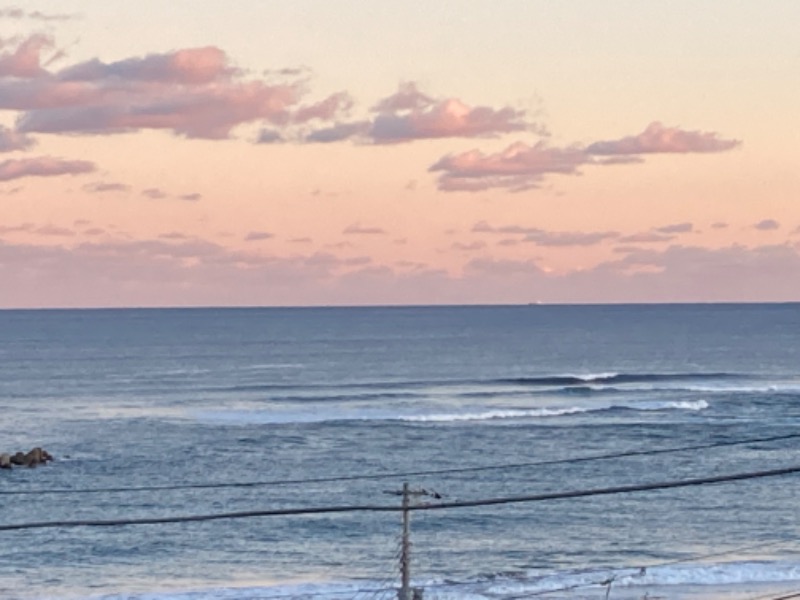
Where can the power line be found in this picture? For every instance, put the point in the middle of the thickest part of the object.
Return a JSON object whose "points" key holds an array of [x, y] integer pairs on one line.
{"points": [[622, 489], [398, 475], [639, 571], [384, 508]]}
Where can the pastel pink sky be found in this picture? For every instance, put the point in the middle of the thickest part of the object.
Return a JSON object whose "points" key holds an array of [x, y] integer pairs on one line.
{"points": [[458, 152]]}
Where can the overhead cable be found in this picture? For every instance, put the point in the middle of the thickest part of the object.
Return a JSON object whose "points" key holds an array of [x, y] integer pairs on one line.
{"points": [[399, 475], [320, 510]]}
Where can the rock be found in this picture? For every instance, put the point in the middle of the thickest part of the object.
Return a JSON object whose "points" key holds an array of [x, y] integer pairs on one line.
{"points": [[37, 456]]}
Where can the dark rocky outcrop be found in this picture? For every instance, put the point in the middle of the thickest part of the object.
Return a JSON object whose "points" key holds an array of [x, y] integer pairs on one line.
{"points": [[35, 457]]}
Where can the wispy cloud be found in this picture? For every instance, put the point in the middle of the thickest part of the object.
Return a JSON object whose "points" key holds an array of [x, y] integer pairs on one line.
{"points": [[767, 225], [11, 140], [522, 167], [154, 193], [257, 236], [657, 139], [106, 186], [358, 229], [193, 92], [43, 166], [35, 15], [410, 115], [542, 237], [24, 61], [518, 167], [570, 238], [675, 228], [648, 237]]}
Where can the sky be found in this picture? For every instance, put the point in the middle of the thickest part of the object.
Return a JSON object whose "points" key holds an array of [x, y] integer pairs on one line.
{"points": [[315, 153]]}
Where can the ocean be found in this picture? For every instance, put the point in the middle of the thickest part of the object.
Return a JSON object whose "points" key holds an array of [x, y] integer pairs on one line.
{"points": [[168, 413]]}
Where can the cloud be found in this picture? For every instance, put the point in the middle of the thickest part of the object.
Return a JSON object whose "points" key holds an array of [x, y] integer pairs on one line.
{"points": [[484, 227], [719, 225], [192, 66], [448, 118], [11, 140], [338, 132], [358, 229], [657, 139], [468, 247], [518, 167], [18, 13], [407, 97], [25, 61], [650, 237], [522, 167], [257, 236], [767, 225], [269, 136], [52, 230], [193, 197], [193, 92], [43, 166], [570, 238], [541, 237], [675, 228], [154, 193], [411, 115], [106, 186], [325, 110]]}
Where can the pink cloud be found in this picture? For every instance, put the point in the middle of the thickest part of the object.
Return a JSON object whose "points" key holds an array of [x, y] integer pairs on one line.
{"points": [[338, 132], [11, 140], [570, 238], [407, 97], [105, 186], [521, 167], [25, 61], [193, 197], [447, 118], [767, 225], [18, 13], [154, 193], [471, 247], [358, 229], [410, 115], [650, 237], [44, 166], [542, 237], [52, 230], [190, 66], [484, 227], [518, 167], [257, 236], [685, 227], [269, 136], [193, 92], [209, 111], [326, 109], [656, 139]]}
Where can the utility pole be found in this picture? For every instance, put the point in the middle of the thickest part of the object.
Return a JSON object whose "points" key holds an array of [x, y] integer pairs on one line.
{"points": [[405, 592], [405, 553]]}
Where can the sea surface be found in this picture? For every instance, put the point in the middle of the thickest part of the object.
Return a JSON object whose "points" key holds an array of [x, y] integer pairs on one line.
{"points": [[168, 413]]}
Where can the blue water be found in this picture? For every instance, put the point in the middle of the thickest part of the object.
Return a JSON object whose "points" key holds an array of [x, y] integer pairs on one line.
{"points": [[164, 399]]}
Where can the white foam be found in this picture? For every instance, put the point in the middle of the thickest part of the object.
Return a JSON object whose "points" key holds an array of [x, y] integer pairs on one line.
{"points": [[496, 414]]}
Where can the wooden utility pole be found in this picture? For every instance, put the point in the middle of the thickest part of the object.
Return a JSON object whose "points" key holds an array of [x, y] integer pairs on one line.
{"points": [[405, 592], [405, 553]]}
